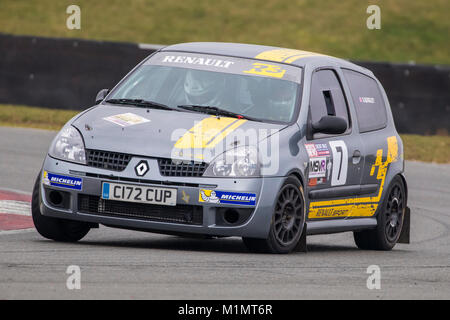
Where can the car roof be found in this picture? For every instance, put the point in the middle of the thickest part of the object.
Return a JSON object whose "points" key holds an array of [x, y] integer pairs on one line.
{"points": [[294, 57]]}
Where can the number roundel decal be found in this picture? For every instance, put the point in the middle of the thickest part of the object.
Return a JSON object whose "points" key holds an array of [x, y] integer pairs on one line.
{"points": [[340, 162]]}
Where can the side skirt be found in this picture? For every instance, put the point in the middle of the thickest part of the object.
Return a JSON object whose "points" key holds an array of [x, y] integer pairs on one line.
{"points": [[334, 226]]}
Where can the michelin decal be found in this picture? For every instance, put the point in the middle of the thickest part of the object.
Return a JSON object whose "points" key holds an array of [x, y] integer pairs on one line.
{"points": [[56, 180], [212, 196]]}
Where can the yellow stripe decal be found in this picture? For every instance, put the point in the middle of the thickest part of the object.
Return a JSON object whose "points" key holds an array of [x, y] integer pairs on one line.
{"points": [[285, 55], [222, 135], [208, 132], [358, 207]]}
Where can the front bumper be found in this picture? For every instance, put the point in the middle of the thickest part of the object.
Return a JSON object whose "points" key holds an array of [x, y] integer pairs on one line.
{"points": [[257, 225]]}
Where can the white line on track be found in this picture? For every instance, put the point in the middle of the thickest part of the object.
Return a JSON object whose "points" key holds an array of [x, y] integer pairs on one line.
{"points": [[15, 207], [6, 232]]}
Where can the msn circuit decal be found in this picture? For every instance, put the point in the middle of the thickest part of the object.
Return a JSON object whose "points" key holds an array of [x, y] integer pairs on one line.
{"points": [[215, 196]]}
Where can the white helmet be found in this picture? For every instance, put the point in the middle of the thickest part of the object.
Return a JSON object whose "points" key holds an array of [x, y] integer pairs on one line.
{"points": [[202, 87]]}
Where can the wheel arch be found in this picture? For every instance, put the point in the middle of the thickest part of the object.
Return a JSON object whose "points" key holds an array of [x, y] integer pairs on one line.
{"points": [[296, 173], [385, 193], [402, 176]]}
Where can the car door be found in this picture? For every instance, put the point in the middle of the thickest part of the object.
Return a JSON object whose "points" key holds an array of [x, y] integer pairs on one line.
{"points": [[376, 137], [335, 166]]}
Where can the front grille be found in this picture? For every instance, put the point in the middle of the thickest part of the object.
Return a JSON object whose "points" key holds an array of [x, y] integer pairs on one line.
{"points": [[114, 161], [184, 214], [117, 161], [170, 168]]}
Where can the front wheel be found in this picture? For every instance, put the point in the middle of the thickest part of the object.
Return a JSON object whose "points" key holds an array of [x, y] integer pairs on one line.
{"points": [[390, 220], [287, 222], [53, 228]]}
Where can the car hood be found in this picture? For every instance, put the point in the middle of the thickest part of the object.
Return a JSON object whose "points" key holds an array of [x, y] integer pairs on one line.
{"points": [[167, 134]]}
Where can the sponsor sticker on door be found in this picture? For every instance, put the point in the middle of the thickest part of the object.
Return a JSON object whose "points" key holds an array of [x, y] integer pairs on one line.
{"points": [[317, 167]]}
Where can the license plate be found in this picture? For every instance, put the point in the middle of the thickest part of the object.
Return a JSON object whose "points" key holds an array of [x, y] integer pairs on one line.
{"points": [[134, 193]]}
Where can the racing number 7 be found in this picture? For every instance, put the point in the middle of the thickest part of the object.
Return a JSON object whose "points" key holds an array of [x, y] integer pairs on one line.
{"points": [[340, 162], [339, 150]]}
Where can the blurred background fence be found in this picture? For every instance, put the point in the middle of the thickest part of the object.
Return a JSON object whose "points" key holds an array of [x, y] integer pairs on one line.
{"points": [[68, 73]]}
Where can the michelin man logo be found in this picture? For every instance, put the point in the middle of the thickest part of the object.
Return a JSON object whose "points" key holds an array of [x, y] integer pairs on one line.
{"points": [[212, 198], [45, 179]]}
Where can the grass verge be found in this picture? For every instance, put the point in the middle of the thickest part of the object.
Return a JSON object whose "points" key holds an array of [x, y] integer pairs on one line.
{"points": [[420, 148], [427, 148], [34, 117]]}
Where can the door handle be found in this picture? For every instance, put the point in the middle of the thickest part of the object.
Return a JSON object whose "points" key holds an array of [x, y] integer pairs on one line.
{"points": [[356, 157]]}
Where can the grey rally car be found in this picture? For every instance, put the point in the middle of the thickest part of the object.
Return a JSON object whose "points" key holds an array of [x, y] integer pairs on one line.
{"points": [[222, 139]]}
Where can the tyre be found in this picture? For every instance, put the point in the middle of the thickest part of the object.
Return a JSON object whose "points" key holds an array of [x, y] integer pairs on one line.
{"points": [[53, 228], [287, 222], [390, 220]]}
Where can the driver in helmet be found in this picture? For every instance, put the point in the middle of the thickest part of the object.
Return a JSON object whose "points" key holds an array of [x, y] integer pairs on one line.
{"points": [[281, 99], [203, 88]]}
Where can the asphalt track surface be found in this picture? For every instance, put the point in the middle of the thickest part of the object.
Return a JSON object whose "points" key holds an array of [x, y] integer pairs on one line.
{"points": [[122, 264]]}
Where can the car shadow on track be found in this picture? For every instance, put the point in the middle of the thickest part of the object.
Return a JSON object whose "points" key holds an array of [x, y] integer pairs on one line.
{"points": [[175, 243], [330, 248], [221, 245]]}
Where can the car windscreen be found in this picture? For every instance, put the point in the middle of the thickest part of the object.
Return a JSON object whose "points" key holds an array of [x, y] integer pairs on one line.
{"points": [[257, 89]]}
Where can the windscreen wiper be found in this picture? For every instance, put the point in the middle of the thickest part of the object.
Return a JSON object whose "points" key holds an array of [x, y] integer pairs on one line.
{"points": [[216, 111], [140, 103]]}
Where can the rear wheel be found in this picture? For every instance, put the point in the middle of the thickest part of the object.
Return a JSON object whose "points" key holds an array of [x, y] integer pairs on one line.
{"points": [[287, 221], [390, 220], [53, 228]]}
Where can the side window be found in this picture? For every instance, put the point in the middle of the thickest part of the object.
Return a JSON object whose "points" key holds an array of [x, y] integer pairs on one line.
{"points": [[327, 97], [368, 101]]}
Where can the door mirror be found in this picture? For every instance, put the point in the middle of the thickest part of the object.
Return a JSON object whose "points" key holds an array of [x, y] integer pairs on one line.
{"points": [[330, 125], [101, 95]]}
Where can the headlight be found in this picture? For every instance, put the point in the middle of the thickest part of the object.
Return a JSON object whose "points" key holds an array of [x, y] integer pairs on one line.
{"points": [[238, 162], [68, 145]]}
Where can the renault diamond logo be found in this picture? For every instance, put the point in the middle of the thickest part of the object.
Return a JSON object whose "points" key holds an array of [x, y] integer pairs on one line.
{"points": [[141, 168]]}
